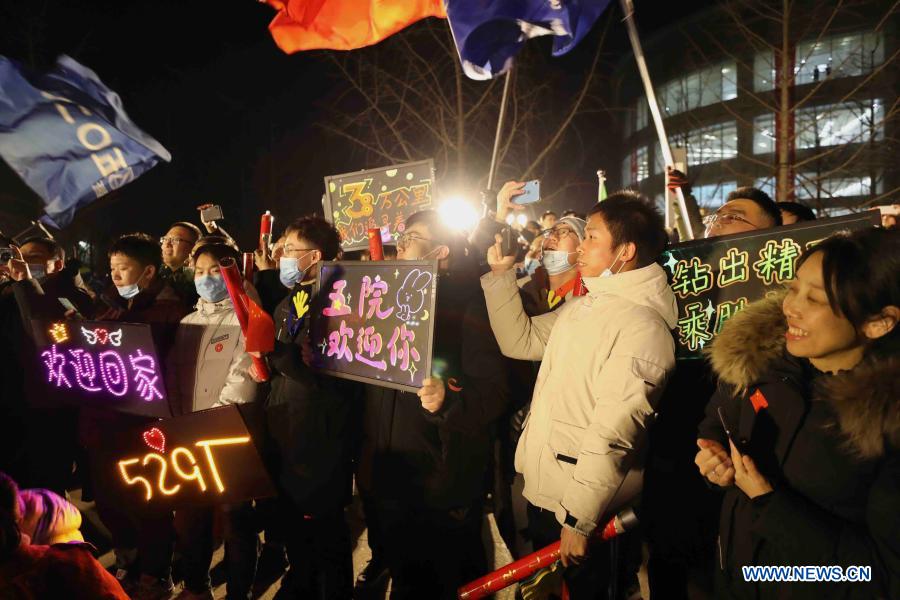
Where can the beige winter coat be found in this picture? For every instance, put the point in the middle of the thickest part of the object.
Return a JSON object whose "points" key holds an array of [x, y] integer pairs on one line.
{"points": [[208, 366], [605, 360]]}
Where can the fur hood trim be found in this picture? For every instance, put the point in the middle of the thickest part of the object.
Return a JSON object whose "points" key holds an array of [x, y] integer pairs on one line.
{"points": [[749, 342]]}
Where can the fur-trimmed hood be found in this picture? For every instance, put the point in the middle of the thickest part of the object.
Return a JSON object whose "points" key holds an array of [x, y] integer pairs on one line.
{"points": [[866, 399]]}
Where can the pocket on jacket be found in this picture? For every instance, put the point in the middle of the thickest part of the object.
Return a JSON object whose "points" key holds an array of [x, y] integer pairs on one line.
{"points": [[558, 458]]}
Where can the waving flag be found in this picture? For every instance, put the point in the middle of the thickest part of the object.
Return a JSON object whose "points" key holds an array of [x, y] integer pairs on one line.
{"points": [[68, 137], [489, 33], [344, 24]]}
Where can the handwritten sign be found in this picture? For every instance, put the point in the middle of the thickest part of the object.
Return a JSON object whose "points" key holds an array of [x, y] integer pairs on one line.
{"points": [[111, 365], [374, 321], [714, 279], [207, 457], [377, 199]]}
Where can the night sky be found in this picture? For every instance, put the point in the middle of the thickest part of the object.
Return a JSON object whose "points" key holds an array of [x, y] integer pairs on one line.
{"points": [[207, 81]]}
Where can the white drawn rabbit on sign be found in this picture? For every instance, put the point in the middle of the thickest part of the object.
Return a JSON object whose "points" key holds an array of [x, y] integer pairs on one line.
{"points": [[411, 295]]}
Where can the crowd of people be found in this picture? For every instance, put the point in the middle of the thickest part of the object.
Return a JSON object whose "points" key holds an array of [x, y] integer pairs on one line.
{"points": [[566, 403]]}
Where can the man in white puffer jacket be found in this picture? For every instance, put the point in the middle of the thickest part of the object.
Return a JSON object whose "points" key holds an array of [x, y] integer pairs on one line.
{"points": [[605, 358]]}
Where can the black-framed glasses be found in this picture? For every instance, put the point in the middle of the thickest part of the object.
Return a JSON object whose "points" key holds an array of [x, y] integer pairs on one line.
{"points": [[289, 250], [560, 233]]}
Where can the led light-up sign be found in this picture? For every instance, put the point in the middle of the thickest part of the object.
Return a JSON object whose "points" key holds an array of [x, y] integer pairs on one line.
{"points": [[113, 365], [377, 199], [373, 321], [206, 457], [714, 279]]}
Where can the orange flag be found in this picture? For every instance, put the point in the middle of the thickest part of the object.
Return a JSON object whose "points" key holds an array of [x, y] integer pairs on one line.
{"points": [[344, 24]]}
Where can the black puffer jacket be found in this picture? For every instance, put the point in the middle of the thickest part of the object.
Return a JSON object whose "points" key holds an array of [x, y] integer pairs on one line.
{"points": [[412, 458], [309, 420], [829, 446]]}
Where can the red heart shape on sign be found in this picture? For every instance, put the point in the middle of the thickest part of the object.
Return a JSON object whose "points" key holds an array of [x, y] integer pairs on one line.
{"points": [[102, 335], [155, 439]]}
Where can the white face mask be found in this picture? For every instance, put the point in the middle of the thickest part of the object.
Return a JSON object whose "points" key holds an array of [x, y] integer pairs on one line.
{"points": [[556, 261], [607, 272]]}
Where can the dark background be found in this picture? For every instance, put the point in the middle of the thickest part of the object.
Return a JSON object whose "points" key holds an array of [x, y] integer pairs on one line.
{"points": [[237, 114]]}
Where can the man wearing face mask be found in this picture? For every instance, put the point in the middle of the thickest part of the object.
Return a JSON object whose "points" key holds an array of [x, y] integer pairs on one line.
{"points": [[310, 420], [424, 456], [142, 541], [38, 443], [551, 285], [605, 358]]}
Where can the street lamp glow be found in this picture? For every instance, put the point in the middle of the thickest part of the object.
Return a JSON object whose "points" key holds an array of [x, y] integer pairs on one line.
{"points": [[458, 213], [510, 219], [522, 219]]}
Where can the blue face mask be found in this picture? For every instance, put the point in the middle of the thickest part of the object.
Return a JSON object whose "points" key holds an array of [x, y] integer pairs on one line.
{"points": [[289, 271], [128, 291], [556, 261], [211, 288]]}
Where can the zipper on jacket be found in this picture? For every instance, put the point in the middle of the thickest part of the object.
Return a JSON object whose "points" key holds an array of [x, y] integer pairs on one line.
{"points": [[721, 558]]}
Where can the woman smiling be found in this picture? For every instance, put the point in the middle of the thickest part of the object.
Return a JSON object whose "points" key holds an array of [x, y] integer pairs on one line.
{"points": [[803, 433]]}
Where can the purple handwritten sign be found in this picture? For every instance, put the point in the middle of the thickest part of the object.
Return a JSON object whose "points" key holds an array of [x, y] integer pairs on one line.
{"points": [[374, 321], [112, 365]]}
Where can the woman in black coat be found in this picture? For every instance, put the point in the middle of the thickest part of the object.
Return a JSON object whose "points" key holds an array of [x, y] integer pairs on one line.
{"points": [[803, 433]]}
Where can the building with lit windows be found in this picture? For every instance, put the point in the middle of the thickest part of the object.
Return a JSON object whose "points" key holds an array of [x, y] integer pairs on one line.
{"points": [[717, 78]]}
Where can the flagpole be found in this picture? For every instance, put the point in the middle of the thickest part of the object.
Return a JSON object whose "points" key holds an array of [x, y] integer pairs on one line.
{"points": [[687, 231], [503, 102]]}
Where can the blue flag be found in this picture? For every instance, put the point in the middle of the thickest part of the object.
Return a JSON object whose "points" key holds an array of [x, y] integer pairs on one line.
{"points": [[68, 137], [489, 33]]}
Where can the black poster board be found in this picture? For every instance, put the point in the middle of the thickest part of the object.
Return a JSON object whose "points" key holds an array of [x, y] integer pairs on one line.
{"points": [[374, 321], [377, 198], [207, 457], [102, 364], [715, 278]]}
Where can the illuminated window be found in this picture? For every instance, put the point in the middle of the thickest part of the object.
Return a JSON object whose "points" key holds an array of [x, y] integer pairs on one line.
{"points": [[845, 55], [705, 145], [700, 88], [766, 184], [635, 167], [836, 124], [764, 134], [810, 187], [712, 195]]}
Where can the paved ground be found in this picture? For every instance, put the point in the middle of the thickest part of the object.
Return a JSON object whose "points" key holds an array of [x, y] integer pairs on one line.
{"points": [[497, 552]]}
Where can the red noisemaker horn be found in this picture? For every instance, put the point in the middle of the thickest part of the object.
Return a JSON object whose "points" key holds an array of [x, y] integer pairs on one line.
{"points": [[249, 265], [265, 231], [376, 249], [256, 324], [514, 572]]}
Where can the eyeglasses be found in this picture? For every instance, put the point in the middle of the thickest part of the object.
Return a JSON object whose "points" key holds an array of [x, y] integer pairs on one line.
{"points": [[290, 250], [165, 241], [560, 233], [725, 219], [405, 238]]}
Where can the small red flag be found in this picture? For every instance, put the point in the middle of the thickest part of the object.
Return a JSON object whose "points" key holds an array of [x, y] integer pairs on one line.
{"points": [[758, 401]]}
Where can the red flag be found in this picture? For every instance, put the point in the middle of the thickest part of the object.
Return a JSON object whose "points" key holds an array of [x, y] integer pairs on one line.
{"points": [[344, 24]]}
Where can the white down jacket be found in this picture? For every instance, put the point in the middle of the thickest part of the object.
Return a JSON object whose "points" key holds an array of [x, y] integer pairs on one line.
{"points": [[605, 360], [208, 366]]}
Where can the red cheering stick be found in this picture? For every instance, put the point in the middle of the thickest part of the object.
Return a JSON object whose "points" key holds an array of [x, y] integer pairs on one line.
{"points": [[249, 265], [376, 249], [265, 231], [256, 324], [525, 567]]}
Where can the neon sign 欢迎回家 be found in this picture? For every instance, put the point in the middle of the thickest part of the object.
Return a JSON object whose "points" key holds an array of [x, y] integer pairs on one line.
{"points": [[105, 371]]}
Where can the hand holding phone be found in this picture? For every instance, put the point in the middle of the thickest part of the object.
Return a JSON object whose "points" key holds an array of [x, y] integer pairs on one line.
{"points": [[531, 193]]}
